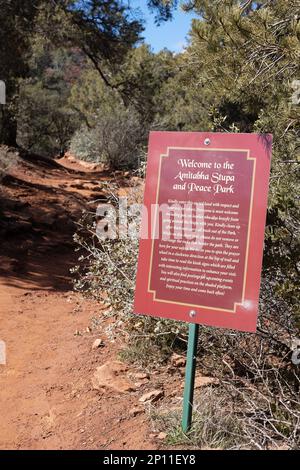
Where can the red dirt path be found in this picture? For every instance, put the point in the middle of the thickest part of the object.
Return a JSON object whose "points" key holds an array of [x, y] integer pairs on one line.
{"points": [[46, 397]]}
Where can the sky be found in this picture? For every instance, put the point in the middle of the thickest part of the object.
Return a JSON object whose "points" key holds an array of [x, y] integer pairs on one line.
{"points": [[171, 34]]}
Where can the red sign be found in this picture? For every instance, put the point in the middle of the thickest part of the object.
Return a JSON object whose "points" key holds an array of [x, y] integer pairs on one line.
{"points": [[203, 228]]}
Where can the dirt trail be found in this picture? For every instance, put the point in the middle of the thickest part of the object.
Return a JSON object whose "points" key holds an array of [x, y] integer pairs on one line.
{"points": [[46, 397]]}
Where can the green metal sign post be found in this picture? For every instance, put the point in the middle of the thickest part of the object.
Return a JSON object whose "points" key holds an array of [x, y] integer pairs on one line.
{"points": [[190, 372]]}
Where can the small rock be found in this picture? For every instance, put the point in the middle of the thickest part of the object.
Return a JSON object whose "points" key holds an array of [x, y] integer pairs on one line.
{"points": [[152, 396], [141, 376], [205, 381], [177, 360], [162, 436], [88, 165], [98, 343], [139, 384], [112, 375], [136, 411]]}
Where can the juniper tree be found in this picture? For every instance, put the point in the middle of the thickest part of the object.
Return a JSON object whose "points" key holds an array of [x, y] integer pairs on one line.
{"points": [[239, 74]]}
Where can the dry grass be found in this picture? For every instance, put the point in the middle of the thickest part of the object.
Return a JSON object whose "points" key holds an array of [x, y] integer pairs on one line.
{"points": [[231, 418]]}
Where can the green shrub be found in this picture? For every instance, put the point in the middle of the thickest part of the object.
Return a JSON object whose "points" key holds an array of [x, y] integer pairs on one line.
{"points": [[117, 139], [259, 381]]}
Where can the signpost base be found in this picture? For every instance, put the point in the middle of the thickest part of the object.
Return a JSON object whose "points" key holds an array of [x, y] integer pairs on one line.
{"points": [[190, 371]]}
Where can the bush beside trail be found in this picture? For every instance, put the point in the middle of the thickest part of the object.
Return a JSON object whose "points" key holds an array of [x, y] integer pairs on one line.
{"points": [[259, 382]]}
